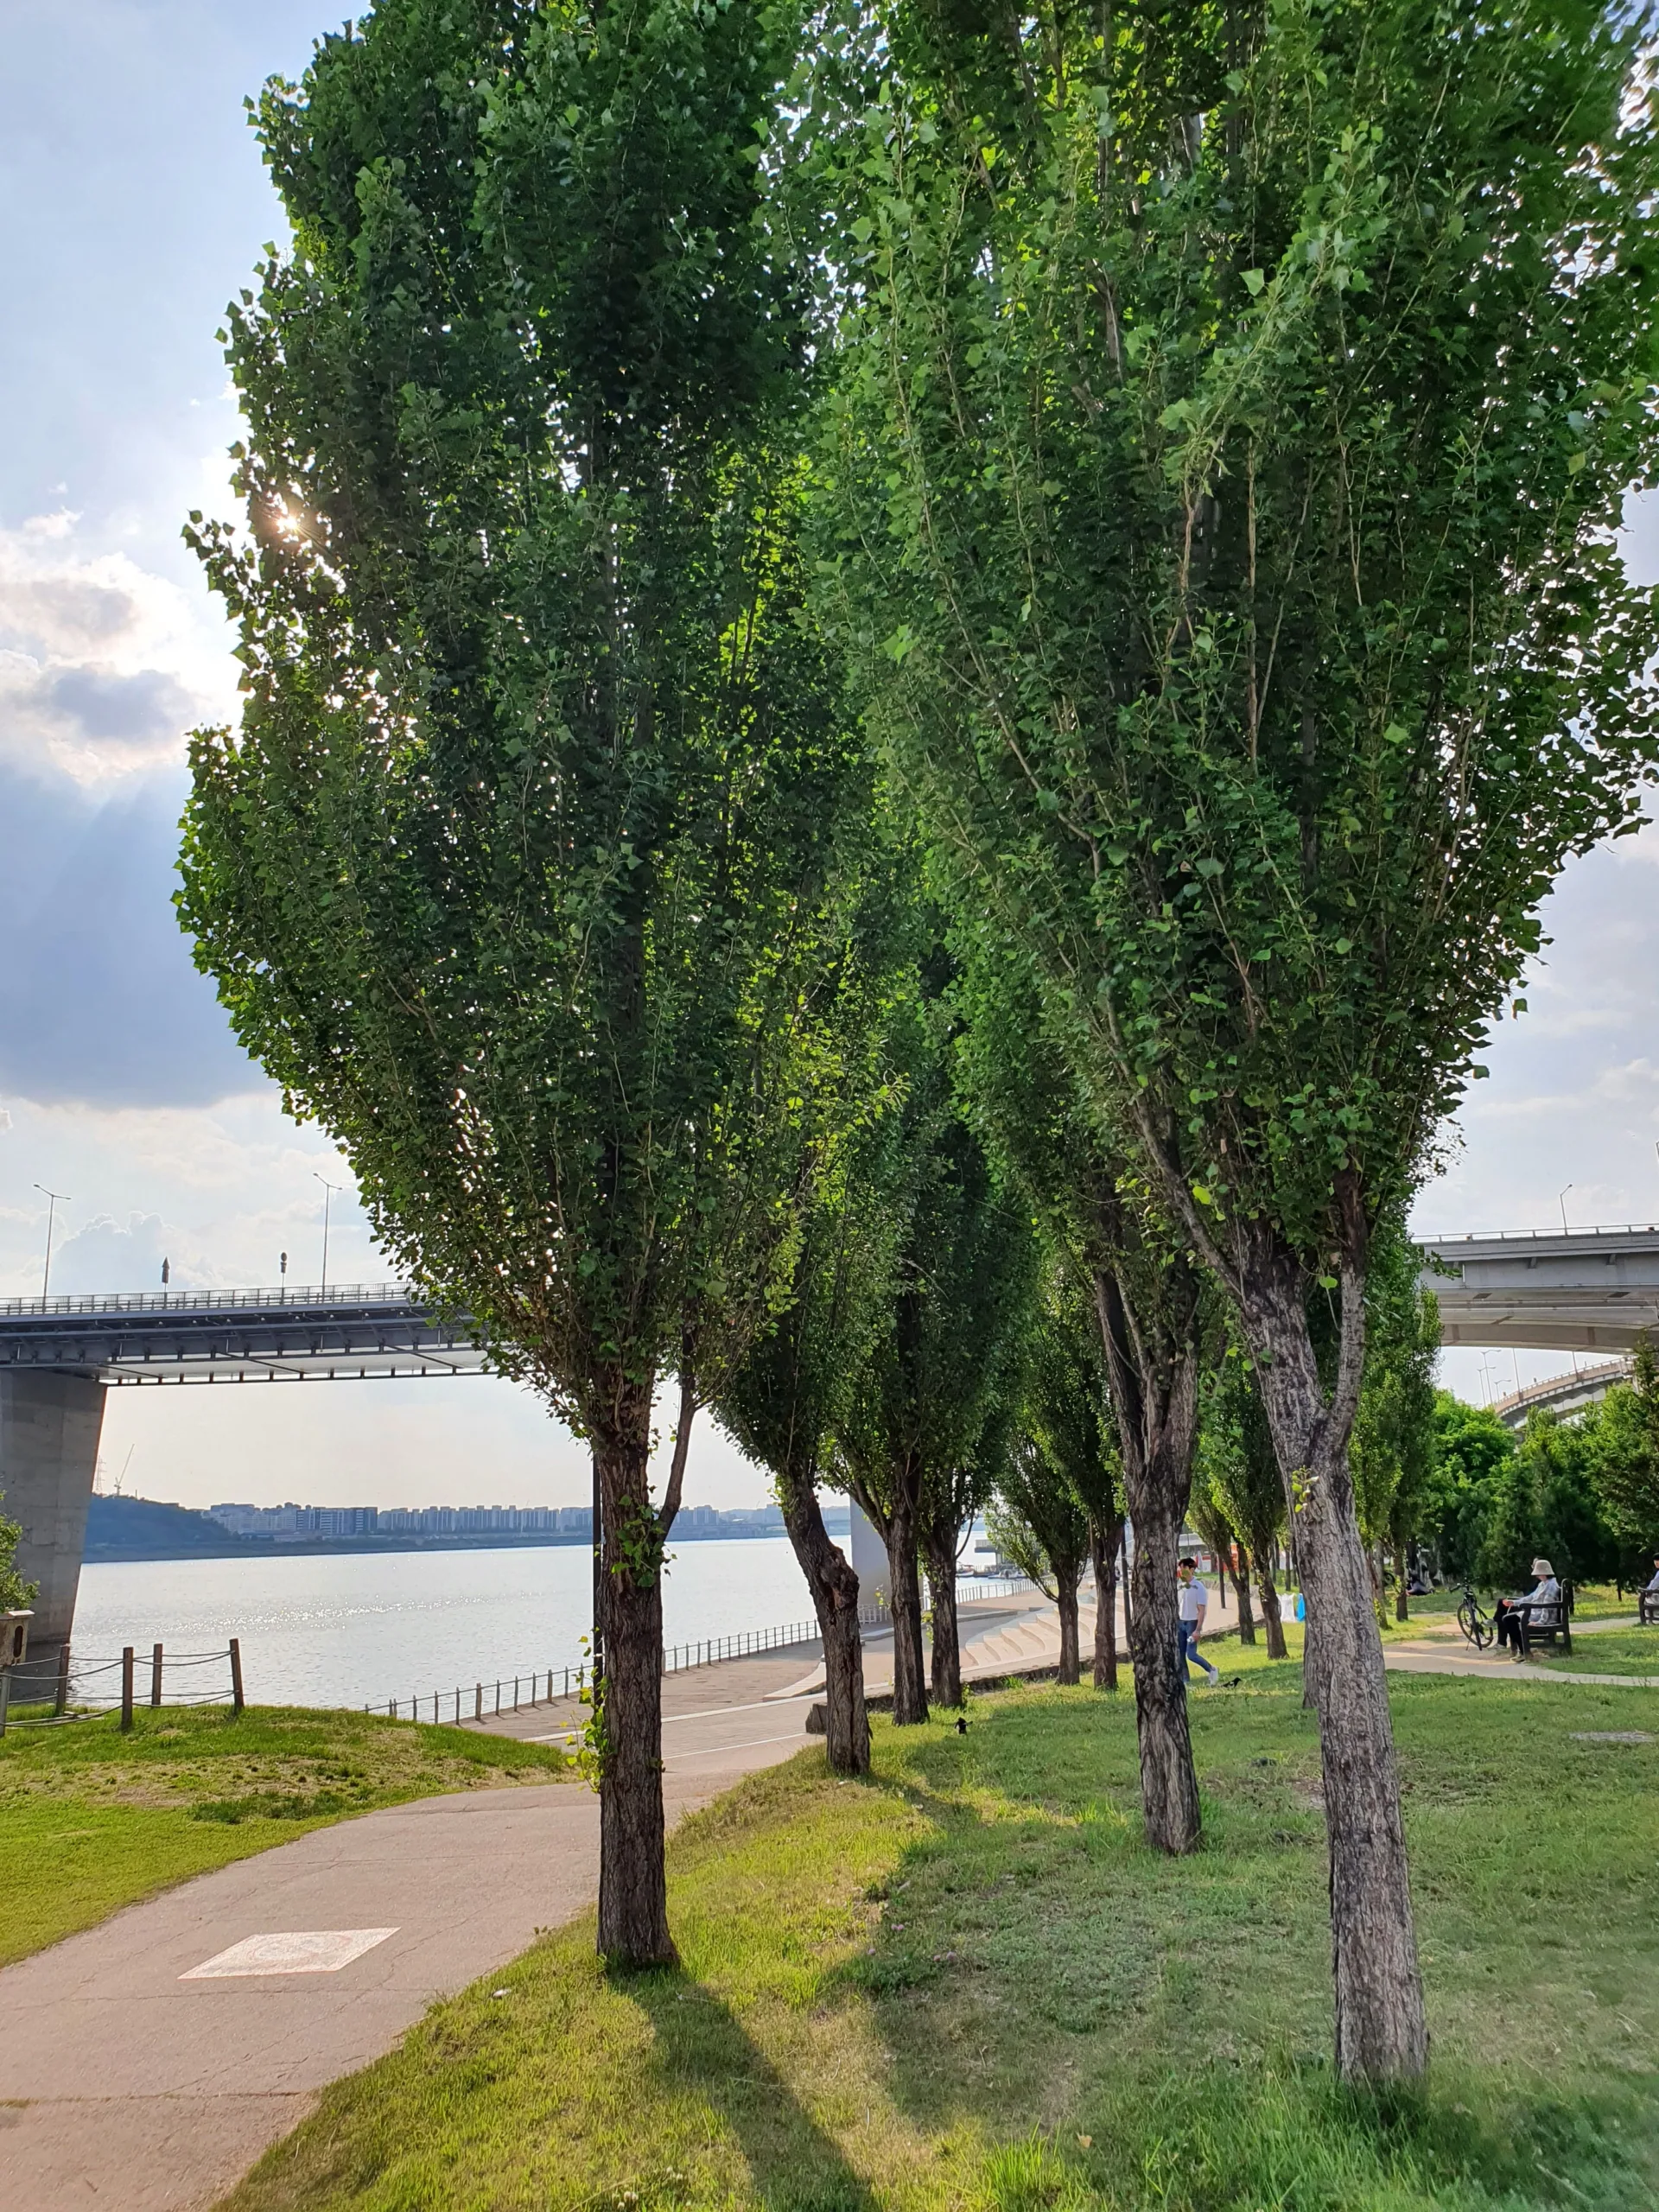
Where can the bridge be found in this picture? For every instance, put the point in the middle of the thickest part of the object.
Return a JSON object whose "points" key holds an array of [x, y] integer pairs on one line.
{"points": [[1581, 1290], [58, 1356]]}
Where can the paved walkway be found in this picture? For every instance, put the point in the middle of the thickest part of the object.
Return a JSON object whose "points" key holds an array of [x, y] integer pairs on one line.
{"points": [[1442, 1649], [124, 2085]]}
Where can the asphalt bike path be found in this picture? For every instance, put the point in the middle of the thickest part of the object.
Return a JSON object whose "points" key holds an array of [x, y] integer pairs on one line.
{"points": [[129, 2080]]}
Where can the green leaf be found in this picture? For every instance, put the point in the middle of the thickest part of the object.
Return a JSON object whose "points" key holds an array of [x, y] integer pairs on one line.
{"points": [[1254, 280]]}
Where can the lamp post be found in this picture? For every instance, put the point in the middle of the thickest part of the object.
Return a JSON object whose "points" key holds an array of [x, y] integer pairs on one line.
{"points": [[328, 1189], [1561, 1202], [53, 1199]]}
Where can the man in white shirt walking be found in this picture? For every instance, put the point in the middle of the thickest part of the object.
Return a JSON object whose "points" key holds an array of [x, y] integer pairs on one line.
{"points": [[1194, 1604]]}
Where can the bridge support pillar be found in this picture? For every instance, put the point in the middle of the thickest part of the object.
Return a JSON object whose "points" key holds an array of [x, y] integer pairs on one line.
{"points": [[49, 1427], [868, 1557]]}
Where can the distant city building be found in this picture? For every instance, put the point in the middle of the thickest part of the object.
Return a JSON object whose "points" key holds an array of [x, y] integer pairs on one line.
{"points": [[291, 1523]]}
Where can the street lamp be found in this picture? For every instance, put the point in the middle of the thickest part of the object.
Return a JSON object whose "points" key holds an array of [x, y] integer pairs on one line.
{"points": [[1561, 1202], [53, 1199], [328, 1189]]}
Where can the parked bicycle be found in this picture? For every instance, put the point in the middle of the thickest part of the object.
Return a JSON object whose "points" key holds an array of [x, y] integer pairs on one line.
{"points": [[1477, 1625]]}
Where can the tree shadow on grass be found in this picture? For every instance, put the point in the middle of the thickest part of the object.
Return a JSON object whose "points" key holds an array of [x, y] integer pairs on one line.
{"points": [[702, 2049]]}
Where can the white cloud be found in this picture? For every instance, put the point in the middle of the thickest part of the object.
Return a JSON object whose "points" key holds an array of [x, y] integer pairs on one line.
{"points": [[104, 665]]}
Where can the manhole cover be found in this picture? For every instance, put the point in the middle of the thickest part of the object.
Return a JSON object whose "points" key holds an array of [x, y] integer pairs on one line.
{"points": [[1611, 1736]]}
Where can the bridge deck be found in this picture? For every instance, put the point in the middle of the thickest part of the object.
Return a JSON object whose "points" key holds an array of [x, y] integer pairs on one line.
{"points": [[343, 1332], [1584, 1290]]}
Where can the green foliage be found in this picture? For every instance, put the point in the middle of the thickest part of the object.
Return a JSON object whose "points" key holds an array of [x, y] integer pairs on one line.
{"points": [[930, 1396], [1060, 1480], [1066, 1405], [1228, 480], [1543, 1501], [1392, 1452], [1236, 1465], [1491, 1505], [15, 1593], [1625, 1462], [531, 874], [1471, 1459]]}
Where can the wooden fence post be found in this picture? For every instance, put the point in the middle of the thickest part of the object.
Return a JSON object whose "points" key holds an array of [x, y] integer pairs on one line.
{"points": [[478, 1703], [126, 1687], [237, 1699], [5, 1697], [155, 1678], [62, 1703]]}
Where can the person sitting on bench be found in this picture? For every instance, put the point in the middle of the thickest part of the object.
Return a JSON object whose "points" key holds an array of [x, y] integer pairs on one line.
{"points": [[1545, 1591], [1647, 1606]]}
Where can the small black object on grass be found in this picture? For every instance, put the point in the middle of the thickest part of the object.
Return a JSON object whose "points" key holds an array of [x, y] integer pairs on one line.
{"points": [[961, 1724]]}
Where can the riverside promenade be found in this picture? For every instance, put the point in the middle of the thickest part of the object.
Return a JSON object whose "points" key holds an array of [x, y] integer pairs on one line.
{"points": [[128, 2079]]}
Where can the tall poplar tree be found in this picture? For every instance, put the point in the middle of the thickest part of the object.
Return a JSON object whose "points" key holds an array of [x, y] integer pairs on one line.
{"points": [[1238, 404], [519, 874]]}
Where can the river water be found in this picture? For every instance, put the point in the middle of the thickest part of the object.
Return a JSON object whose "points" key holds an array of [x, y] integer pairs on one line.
{"points": [[357, 1628]]}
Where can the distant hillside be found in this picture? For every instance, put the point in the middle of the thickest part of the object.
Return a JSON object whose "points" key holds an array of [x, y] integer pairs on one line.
{"points": [[140, 1528], [143, 1528]]}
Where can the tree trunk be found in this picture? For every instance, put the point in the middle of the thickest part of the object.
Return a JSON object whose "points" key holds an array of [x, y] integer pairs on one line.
{"points": [[632, 1883], [909, 1680], [1269, 1596], [1242, 1584], [1156, 1407], [834, 1586], [1169, 1789], [1382, 2029], [1401, 1577], [1104, 1549], [942, 1592], [1070, 1648]]}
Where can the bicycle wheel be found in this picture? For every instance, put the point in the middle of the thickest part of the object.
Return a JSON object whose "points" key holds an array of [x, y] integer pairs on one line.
{"points": [[1475, 1625]]}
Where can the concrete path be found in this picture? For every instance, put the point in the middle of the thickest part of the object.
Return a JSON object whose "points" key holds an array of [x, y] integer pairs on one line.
{"points": [[1443, 1651], [124, 2085]]}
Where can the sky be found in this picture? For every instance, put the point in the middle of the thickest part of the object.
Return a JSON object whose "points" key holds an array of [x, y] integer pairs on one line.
{"points": [[133, 206]]}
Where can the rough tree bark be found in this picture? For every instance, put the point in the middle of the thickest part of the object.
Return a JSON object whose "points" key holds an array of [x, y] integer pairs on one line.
{"points": [[1103, 1545], [905, 1597], [941, 1549], [1154, 1396], [834, 1585], [632, 1884], [1401, 1577], [1070, 1668], [1382, 2029], [1242, 1584]]}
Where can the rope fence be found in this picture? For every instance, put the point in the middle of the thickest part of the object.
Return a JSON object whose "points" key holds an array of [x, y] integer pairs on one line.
{"points": [[47, 1692]]}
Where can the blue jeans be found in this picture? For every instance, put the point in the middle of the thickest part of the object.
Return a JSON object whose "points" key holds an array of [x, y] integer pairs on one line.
{"points": [[1190, 1656]]}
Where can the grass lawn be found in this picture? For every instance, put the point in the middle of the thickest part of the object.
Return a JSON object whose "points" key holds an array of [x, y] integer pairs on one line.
{"points": [[1610, 1651], [91, 1819], [965, 1985]]}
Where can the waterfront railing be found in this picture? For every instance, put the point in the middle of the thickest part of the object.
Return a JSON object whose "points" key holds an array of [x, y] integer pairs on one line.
{"points": [[556, 1686]]}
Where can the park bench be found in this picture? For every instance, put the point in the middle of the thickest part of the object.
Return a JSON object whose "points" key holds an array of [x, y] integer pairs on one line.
{"points": [[1548, 1623], [1648, 1607]]}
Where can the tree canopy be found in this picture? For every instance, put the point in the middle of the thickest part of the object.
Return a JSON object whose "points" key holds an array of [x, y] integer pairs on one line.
{"points": [[525, 873]]}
